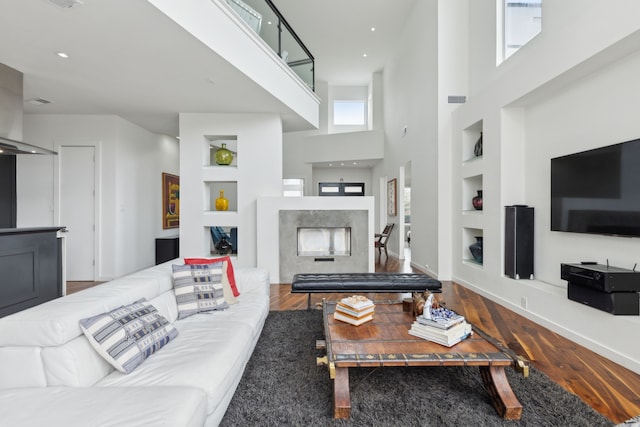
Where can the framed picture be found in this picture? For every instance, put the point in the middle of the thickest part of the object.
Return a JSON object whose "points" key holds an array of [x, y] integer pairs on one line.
{"points": [[392, 200], [170, 201]]}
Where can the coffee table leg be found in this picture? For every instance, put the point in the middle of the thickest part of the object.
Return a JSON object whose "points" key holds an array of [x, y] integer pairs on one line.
{"points": [[341, 397], [496, 383]]}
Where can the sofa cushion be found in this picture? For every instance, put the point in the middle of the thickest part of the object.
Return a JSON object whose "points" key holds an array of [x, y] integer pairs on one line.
{"points": [[209, 353], [198, 288], [128, 335], [21, 367], [114, 406], [230, 273]]}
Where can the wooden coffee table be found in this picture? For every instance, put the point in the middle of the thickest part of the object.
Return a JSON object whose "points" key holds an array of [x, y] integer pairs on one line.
{"points": [[385, 341]]}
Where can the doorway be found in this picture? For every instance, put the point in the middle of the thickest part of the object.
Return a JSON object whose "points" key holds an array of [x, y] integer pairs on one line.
{"points": [[76, 190], [407, 212]]}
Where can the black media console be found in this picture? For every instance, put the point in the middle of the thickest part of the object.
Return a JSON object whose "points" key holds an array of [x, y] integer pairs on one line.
{"points": [[611, 289]]}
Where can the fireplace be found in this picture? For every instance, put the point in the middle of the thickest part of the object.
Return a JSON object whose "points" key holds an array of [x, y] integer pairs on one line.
{"points": [[324, 241]]}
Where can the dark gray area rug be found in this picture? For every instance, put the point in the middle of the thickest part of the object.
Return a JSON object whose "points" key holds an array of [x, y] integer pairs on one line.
{"points": [[283, 386]]}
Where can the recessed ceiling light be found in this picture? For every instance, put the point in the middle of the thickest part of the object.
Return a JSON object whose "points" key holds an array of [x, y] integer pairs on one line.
{"points": [[341, 164], [62, 55], [364, 55], [38, 101], [373, 28], [330, 164], [355, 163], [268, 22], [66, 4]]}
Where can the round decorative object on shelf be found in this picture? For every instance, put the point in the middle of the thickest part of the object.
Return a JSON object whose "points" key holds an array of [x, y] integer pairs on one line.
{"points": [[222, 203], [224, 156], [477, 149], [477, 201], [223, 247], [476, 250]]}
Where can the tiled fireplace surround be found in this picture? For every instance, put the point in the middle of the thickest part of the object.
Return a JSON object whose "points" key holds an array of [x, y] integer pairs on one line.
{"points": [[291, 263]]}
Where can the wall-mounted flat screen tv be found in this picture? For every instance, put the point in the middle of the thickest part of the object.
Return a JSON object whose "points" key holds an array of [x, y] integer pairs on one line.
{"points": [[597, 191]]}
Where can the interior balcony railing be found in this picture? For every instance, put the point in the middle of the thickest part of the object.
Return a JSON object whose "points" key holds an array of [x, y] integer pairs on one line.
{"points": [[267, 21]]}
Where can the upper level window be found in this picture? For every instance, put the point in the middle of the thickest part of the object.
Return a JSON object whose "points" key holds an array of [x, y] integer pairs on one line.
{"points": [[522, 21], [352, 113]]}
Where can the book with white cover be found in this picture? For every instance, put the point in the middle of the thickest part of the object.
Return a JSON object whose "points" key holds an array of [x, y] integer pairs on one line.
{"points": [[441, 322], [357, 302], [445, 342], [353, 312], [440, 336], [352, 320], [452, 331]]}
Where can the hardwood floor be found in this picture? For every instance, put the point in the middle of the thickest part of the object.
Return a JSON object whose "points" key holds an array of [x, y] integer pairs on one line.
{"points": [[609, 388]]}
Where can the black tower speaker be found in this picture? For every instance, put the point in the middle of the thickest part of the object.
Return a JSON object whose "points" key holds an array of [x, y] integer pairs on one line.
{"points": [[518, 242]]}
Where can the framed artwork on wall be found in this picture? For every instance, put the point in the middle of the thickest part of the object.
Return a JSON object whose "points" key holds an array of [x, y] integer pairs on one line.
{"points": [[170, 201], [392, 202]]}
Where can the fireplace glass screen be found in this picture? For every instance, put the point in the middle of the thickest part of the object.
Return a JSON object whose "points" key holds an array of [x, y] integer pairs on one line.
{"points": [[324, 241]]}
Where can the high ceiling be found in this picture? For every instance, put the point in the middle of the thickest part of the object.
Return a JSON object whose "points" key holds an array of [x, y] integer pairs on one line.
{"points": [[127, 58], [338, 34]]}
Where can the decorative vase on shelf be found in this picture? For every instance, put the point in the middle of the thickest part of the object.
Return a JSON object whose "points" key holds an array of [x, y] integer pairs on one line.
{"points": [[223, 246], [477, 201], [477, 148], [476, 250], [224, 156], [222, 203]]}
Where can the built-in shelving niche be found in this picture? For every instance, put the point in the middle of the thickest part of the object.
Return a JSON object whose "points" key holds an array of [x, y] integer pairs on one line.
{"points": [[470, 187], [213, 143], [469, 237], [470, 137], [212, 192]]}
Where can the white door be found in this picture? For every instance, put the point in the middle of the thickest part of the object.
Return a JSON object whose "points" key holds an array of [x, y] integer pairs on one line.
{"points": [[77, 210]]}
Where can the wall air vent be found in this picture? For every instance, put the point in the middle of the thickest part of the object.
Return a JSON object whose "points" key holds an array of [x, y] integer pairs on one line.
{"points": [[65, 4], [38, 101], [456, 99]]}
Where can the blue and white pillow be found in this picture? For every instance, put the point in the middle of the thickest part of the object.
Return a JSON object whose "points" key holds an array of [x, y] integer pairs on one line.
{"points": [[199, 288], [128, 335]]}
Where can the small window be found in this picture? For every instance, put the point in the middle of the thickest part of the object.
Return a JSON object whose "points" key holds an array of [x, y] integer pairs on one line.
{"points": [[293, 187], [522, 21], [352, 113]]}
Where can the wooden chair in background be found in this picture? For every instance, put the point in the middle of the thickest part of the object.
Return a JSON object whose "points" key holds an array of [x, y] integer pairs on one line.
{"points": [[382, 238]]}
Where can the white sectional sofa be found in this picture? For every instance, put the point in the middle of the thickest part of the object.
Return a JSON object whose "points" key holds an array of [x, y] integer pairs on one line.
{"points": [[51, 375]]}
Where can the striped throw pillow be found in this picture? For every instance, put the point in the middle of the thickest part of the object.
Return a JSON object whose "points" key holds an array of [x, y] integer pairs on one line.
{"points": [[198, 288], [127, 336]]}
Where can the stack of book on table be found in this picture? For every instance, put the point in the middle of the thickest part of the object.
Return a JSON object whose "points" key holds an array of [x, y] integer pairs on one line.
{"points": [[445, 327], [355, 310]]}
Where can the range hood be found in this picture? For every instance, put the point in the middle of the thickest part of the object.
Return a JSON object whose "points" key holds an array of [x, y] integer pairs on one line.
{"points": [[11, 115], [10, 146]]}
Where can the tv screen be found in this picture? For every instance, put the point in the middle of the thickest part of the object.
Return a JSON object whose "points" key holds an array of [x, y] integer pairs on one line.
{"points": [[597, 191]]}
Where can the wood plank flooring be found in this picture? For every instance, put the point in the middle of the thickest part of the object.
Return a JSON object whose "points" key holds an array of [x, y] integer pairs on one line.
{"points": [[609, 388]]}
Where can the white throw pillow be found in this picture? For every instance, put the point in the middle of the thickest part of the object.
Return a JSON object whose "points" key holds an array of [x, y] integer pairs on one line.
{"points": [[128, 335], [199, 288]]}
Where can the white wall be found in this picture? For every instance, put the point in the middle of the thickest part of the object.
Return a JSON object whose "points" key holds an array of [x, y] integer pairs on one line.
{"points": [[130, 161], [566, 91], [258, 173], [410, 93]]}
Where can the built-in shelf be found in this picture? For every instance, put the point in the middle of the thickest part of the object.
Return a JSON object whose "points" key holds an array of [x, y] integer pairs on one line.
{"points": [[472, 171], [470, 188], [214, 143], [469, 237]]}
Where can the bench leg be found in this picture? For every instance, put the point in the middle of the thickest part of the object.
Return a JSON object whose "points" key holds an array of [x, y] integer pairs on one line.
{"points": [[309, 301]]}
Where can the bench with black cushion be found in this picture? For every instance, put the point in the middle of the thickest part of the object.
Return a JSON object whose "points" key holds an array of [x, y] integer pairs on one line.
{"points": [[363, 283]]}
